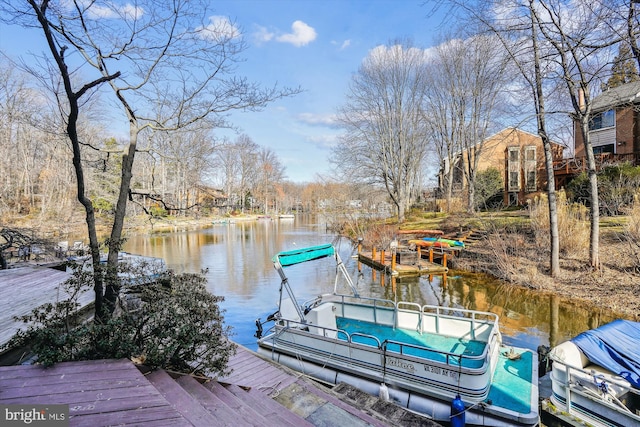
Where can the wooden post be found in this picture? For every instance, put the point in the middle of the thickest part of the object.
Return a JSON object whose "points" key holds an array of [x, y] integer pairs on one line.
{"points": [[419, 253], [373, 253], [382, 257], [431, 255], [444, 259], [393, 261]]}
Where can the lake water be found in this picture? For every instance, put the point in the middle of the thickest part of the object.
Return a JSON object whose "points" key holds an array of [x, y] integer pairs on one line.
{"points": [[237, 260]]}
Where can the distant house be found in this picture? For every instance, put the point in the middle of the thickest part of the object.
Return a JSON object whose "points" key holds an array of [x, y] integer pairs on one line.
{"points": [[518, 156], [614, 124], [614, 132]]}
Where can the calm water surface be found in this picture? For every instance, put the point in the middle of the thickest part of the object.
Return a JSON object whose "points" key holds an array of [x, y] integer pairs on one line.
{"points": [[237, 260]]}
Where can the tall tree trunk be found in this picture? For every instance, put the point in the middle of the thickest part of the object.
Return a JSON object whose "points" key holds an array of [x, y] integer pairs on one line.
{"points": [[554, 256], [112, 288], [594, 241], [72, 133]]}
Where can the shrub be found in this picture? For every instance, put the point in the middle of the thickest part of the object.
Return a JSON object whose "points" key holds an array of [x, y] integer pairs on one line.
{"points": [[171, 323], [617, 186], [489, 187]]}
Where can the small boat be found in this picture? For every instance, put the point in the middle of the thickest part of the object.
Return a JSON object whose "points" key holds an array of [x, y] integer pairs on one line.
{"points": [[429, 244], [221, 221], [450, 242], [286, 216], [595, 377], [448, 364]]}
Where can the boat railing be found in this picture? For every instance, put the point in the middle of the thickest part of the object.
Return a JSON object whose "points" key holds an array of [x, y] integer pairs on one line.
{"points": [[325, 331], [595, 385], [377, 304], [456, 360], [476, 318], [366, 336]]}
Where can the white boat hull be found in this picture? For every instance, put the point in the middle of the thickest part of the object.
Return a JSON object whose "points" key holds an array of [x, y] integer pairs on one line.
{"points": [[575, 390], [423, 379], [430, 407]]}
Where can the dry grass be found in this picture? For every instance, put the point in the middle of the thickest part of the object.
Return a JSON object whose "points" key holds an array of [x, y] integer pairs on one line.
{"points": [[573, 225], [516, 249]]}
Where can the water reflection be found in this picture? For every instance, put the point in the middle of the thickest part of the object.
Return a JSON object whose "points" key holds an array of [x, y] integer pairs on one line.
{"points": [[237, 258]]}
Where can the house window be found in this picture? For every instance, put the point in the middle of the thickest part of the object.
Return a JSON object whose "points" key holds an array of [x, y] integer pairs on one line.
{"points": [[603, 149], [513, 167], [603, 120], [530, 167]]}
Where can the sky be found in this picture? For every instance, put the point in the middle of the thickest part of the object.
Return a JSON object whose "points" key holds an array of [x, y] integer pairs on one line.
{"points": [[317, 45]]}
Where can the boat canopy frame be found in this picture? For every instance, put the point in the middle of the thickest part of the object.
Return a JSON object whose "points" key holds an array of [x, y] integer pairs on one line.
{"points": [[312, 253]]}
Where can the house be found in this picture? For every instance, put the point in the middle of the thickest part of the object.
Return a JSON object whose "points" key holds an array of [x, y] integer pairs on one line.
{"points": [[614, 126], [519, 157], [614, 132]]}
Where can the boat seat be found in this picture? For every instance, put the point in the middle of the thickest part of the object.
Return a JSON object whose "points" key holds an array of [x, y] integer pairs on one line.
{"points": [[324, 317], [288, 310], [570, 354]]}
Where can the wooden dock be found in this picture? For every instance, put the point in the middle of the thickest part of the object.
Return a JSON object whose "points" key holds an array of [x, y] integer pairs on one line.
{"points": [[405, 262], [27, 287]]}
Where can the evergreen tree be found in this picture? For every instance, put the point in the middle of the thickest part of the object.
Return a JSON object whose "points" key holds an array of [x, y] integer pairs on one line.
{"points": [[623, 69]]}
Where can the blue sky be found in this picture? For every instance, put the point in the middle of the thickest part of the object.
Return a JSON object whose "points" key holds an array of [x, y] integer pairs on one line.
{"points": [[315, 44]]}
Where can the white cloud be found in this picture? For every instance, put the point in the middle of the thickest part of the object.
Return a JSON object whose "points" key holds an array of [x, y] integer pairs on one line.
{"points": [[262, 35], [345, 44], [324, 141], [109, 10], [318, 119], [302, 34], [219, 29]]}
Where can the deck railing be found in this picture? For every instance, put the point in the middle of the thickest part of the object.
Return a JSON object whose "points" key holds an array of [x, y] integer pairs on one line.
{"points": [[576, 165]]}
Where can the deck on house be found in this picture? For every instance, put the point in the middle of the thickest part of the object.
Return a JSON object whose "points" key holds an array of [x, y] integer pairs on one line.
{"points": [[257, 393], [25, 288]]}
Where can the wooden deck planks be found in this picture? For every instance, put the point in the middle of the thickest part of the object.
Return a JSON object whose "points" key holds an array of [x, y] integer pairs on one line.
{"points": [[251, 370], [26, 288], [97, 392]]}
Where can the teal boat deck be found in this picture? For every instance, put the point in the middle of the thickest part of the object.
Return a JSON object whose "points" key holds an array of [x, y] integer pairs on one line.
{"points": [[511, 386], [426, 345]]}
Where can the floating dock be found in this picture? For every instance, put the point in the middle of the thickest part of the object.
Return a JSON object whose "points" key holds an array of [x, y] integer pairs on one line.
{"points": [[405, 262]]}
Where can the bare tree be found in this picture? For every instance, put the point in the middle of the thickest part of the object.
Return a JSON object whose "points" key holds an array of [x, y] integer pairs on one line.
{"points": [[516, 30], [466, 81], [385, 135], [582, 52], [150, 56], [237, 164], [269, 173]]}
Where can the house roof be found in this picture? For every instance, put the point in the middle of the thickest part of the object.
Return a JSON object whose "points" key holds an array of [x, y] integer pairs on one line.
{"points": [[628, 93]]}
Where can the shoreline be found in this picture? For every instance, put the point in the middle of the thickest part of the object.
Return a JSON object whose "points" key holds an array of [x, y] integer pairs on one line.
{"points": [[615, 287]]}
